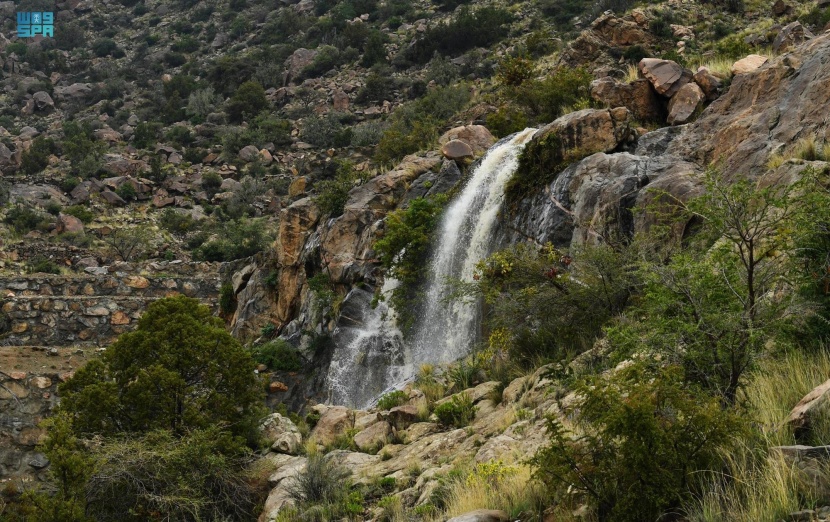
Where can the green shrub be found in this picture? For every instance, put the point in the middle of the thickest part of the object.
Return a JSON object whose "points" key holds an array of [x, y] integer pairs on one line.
{"points": [[547, 99], [333, 194], [322, 482], [647, 435], [389, 400], [278, 355], [36, 158], [42, 265], [237, 239], [104, 47], [514, 70], [24, 219], [211, 182], [185, 44], [177, 222], [146, 134], [227, 299], [467, 29], [126, 192], [505, 121], [326, 131], [459, 411], [174, 59], [54, 208], [249, 99]]}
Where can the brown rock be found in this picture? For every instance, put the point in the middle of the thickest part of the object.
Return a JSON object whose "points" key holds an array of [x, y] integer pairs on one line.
{"points": [[42, 382], [748, 64], [373, 437], [457, 150], [482, 515], [249, 153], [333, 423], [277, 386], [807, 407], [639, 97], [67, 223], [708, 83], [299, 60], [403, 416], [137, 282], [112, 198], [477, 137], [780, 8], [297, 187], [666, 76], [17, 376], [119, 318], [589, 130], [20, 327], [683, 105], [340, 100], [789, 36]]}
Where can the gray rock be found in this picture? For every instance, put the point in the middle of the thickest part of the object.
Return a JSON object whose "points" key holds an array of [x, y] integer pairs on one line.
{"points": [[685, 103], [666, 76], [282, 434], [789, 36], [482, 515], [43, 101]]}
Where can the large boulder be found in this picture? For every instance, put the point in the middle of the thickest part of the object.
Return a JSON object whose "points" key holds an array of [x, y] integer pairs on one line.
{"points": [[666, 76], [67, 223], [373, 437], [638, 97], [43, 101], [249, 153], [589, 130], [748, 64], [76, 91], [789, 36], [708, 83], [809, 407], [282, 434], [683, 105], [477, 137], [334, 421], [457, 150], [299, 60]]}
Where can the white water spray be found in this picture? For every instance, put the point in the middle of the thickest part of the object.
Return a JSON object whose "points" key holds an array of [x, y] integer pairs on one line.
{"points": [[371, 357]]}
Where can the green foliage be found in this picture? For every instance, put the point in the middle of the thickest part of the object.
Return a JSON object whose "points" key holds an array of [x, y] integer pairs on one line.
{"points": [[106, 47], [523, 283], [146, 134], [714, 308], [80, 212], [24, 219], [179, 370], [126, 192], [389, 400], [374, 49], [547, 99], [211, 182], [42, 265], [177, 222], [81, 149], [227, 300], [202, 102], [415, 125], [458, 411], [506, 120], [36, 158], [236, 239], [333, 194], [467, 29], [733, 47], [514, 70], [322, 482], [326, 131], [249, 99], [278, 355], [644, 435]]}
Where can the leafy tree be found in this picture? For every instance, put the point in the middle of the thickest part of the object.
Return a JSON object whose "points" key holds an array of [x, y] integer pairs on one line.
{"points": [[714, 307], [179, 370], [248, 99], [643, 435], [129, 243], [333, 194]]}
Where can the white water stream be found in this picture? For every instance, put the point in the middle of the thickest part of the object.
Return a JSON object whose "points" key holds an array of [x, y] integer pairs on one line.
{"points": [[372, 358]]}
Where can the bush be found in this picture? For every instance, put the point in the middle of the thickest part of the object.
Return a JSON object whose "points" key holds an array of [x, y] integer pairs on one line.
{"points": [[126, 192], [505, 121], [367, 134], [249, 99], [80, 212], [174, 59], [333, 194], [211, 183], [547, 99], [467, 29], [177, 222], [389, 400], [202, 102], [647, 434], [278, 355], [105, 47], [42, 265], [325, 131], [227, 300], [25, 219], [237, 239], [146, 134], [322, 482], [36, 158], [513, 71], [458, 411]]}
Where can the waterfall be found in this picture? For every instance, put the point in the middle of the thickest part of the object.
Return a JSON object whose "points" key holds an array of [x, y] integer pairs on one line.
{"points": [[371, 356], [447, 330]]}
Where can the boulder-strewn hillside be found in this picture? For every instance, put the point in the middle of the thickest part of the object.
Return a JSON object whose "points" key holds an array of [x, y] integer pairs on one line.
{"points": [[289, 163]]}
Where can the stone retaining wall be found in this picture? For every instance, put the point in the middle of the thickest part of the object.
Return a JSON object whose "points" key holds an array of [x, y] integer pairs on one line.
{"points": [[45, 310]]}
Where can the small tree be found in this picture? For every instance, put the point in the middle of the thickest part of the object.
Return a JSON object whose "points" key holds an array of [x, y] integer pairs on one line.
{"points": [[129, 243], [179, 370], [248, 99]]}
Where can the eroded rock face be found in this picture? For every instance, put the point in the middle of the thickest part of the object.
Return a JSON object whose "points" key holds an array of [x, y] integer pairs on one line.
{"points": [[748, 64], [666, 76], [789, 36], [477, 137], [638, 97], [684, 104], [595, 130]]}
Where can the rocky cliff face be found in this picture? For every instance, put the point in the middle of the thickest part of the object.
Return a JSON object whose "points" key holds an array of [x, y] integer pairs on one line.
{"points": [[764, 113]]}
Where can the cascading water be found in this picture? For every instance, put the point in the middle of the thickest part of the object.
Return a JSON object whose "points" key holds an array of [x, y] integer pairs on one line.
{"points": [[370, 356], [448, 329]]}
